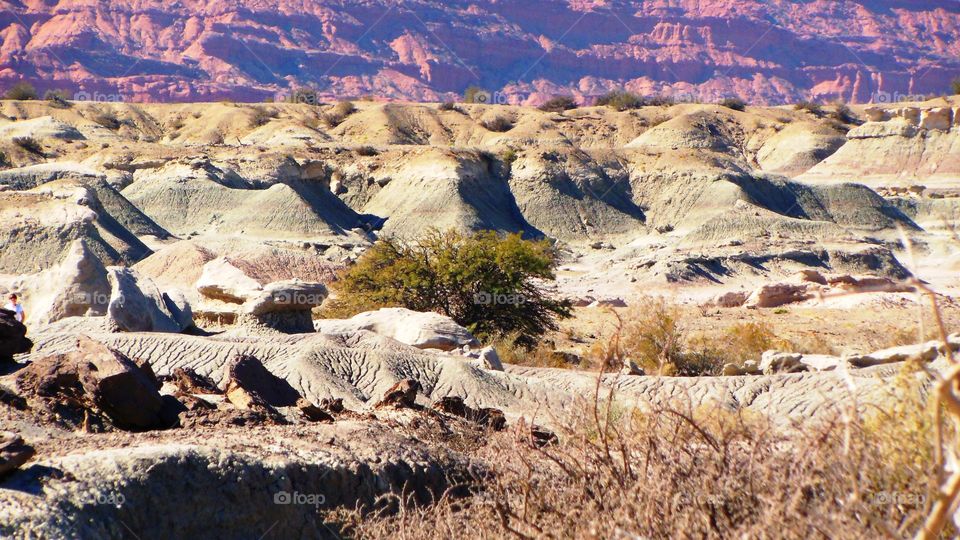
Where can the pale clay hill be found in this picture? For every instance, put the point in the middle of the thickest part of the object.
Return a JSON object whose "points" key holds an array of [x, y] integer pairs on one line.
{"points": [[132, 229]]}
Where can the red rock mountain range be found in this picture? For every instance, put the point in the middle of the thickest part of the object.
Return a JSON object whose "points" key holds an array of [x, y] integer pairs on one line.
{"points": [[522, 51]]}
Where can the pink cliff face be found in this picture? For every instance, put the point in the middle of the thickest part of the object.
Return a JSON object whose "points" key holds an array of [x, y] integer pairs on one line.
{"points": [[522, 51]]}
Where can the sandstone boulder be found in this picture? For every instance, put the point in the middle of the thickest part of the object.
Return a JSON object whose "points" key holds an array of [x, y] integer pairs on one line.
{"points": [[284, 296], [138, 305], [13, 452], [221, 280], [778, 294], [780, 362], [421, 330], [938, 118]]}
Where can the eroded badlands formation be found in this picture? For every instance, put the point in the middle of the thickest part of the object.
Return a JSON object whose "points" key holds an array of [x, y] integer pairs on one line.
{"points": [[171, 258]]}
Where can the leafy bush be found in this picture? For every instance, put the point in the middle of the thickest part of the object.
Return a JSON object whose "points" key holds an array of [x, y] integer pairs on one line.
{"points": [[22, 91], [29, 144], [955, 86], [813, 108], [4, 160], [498, 124], [508, 156], [485, 282], [559, 104], [736, 104], [58, 98], [620, 100]]}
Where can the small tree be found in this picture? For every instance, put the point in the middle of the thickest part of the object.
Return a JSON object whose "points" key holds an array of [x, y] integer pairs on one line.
{"points": [[22, 91], [559, 104], [485, 282], [955, 86]]}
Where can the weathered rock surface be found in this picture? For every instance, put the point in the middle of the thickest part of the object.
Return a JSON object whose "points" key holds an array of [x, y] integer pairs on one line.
{"points": [[421, 330], [138, 305], [13, 452]]}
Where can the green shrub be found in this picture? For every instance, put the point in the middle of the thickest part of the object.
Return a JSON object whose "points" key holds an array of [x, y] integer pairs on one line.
{"points": [[508, 156], [559, 104], [955, 86], [261, 116], [486, 282], [620, 100], [736, 104], [22, 91]]}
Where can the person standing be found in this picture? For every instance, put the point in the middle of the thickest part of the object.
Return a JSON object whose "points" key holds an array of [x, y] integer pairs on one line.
{"points": [[16, 307]]}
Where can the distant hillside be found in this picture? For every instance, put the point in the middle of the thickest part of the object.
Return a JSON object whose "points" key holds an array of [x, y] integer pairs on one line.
{"points": [[522, 51]]}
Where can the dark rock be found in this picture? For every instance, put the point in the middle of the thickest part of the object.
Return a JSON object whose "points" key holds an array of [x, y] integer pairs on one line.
{"points": [[401, 395], [13, 337], [249, 384], [189, 381], [312, 412], [487, 417]]}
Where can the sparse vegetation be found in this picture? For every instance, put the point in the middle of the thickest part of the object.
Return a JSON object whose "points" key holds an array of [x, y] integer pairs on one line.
{"points": [[367, 151], [508, 156], [338, 113], [685, 472], [955, 86], [448, 106], [58, 98], [734, 103], [261, 116], [813, 108], [485, 282], [620, 100], [29, 144], [107, 120], [842, 113], [22, 91], [498, 124], [559, 104]]}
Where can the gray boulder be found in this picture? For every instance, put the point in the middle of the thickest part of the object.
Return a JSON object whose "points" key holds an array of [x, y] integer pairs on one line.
{"points": [[138, 305]]}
